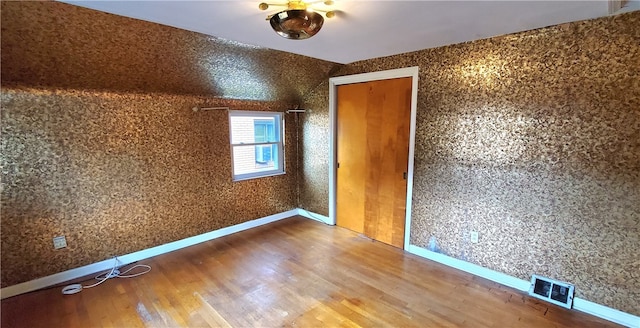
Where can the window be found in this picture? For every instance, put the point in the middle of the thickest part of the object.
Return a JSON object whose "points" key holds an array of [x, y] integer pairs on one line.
{"points": [[256, 144]]}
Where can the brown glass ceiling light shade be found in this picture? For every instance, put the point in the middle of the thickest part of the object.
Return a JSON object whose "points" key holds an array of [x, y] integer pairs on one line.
{"points": [[296, 24]]}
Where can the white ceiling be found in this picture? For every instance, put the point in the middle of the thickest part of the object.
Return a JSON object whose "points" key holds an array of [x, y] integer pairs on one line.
{"points": [[362, 29]]}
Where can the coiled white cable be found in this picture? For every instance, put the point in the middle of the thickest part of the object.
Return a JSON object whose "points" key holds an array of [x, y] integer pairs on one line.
{"points": [[113, 273]]}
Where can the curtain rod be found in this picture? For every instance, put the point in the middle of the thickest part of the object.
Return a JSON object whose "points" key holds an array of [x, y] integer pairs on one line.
{"points": [[195, 109]]}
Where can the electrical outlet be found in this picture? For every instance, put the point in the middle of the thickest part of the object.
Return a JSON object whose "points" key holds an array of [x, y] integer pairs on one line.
{"points": [[474, 237], [59, 242]]}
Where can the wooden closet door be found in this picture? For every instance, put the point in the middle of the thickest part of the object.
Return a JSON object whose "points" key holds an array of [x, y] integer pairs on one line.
{"points": [[373, 125]]}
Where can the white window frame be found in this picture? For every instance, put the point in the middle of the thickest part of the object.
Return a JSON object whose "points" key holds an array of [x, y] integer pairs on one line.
{"points": [[279, 117]]}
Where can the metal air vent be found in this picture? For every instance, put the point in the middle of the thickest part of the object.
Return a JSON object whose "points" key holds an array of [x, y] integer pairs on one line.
{"points": [[556, 292]]}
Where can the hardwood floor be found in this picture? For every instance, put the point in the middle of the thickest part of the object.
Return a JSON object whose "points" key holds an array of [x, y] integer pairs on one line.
{"points": [[295, 273]]}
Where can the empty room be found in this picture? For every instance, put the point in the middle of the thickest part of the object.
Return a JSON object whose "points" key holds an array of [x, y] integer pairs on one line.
{"points": [[320, 163]]}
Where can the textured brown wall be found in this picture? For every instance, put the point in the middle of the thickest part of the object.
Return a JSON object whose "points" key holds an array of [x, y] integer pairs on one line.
{"points": [[99, 142], [120, 172], [59, 45], [314, 152], [531, 139]]}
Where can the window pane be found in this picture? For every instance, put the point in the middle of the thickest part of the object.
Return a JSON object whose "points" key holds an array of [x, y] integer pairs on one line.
{"points": [[253, 129], [264, 154], [256, 144], [253, 159], [260, 132]]}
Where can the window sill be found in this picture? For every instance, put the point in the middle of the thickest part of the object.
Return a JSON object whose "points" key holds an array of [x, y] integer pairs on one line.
{"points": [[258, 177]]}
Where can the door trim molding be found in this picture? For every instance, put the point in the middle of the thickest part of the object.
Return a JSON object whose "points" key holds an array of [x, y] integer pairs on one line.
{"points": [[334, 82]]}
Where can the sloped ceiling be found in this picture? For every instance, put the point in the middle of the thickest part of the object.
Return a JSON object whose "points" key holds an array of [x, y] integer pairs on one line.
{"points": [[364, 29], [52, 44]]}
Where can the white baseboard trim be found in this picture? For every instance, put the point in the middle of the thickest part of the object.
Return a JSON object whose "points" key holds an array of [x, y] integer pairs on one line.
{"points": [[607, 313], [474, 269], [579, 304], [314, 216], [61, 277]]}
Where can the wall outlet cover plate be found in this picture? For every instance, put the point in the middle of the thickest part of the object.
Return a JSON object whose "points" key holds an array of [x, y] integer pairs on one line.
{"points": [[59, 242]]}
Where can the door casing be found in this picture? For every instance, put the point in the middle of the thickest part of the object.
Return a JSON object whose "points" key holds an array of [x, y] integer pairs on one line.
{"points": [[366, 77]]}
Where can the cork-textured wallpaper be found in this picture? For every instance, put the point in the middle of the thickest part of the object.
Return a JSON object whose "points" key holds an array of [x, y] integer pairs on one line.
{"points": [[99, 142], [59, 45], [530, 139], [314, 151], [120, 172]]}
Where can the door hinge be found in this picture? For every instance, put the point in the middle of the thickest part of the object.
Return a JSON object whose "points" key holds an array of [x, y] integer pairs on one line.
{"points": [[404, 175], [337, 165]]}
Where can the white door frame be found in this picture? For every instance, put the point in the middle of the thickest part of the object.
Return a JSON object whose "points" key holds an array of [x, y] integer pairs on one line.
{"points": [[333, 138]]}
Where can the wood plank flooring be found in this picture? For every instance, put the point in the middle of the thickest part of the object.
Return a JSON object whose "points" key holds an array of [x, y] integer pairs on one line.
{"points": [[294, 273]]}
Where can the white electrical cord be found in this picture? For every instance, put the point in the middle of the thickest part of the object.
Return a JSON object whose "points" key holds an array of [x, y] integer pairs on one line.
{"points": [[113, 273]]}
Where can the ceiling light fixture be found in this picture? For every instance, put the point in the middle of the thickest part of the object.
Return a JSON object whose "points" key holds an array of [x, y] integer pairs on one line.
{"points": [[300, 20]]}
